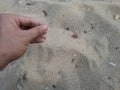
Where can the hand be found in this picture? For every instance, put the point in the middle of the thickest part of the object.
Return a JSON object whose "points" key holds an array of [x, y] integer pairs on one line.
{"points": [[16, 33]]}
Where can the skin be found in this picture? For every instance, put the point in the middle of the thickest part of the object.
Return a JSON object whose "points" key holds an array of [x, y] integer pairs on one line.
{"points": [[16, 33]]}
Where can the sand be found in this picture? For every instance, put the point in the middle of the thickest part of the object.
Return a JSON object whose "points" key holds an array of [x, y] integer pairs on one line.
{"points": [[82, 50]]}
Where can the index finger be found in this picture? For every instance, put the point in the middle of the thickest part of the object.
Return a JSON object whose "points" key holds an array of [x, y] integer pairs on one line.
{"points": [[28, 22]]}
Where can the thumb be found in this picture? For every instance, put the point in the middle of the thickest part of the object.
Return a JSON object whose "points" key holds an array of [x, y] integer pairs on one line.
{"points": [[35, 32]]}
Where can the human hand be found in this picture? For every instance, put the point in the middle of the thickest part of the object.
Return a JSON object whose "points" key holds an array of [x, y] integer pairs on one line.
{"points": [[16, 33]]}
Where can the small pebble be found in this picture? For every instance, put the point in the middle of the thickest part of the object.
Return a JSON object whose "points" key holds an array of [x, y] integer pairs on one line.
{"points": [[75, 35], [19, 85], [112, 64], [20, 2], [116, 17], [75, 55]]}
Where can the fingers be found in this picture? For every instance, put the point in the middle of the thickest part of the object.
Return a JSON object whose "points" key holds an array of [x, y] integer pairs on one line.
{"points": [[28, 22], [39, 39], [35, 32]]}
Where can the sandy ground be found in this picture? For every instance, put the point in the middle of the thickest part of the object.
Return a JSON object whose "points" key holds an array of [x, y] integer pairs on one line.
{"points": [[82, 51]]}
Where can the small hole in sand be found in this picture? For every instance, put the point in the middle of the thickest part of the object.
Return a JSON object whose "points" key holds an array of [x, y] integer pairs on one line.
{"points": [[109, 78], [67, 28], [76, 65], [59, 72], [116, 47], [28, 4], [82, 25], [73, 60], [92, 26], [24, 76], [85, 31], [45, 13], [13, 63], [53, 86]]}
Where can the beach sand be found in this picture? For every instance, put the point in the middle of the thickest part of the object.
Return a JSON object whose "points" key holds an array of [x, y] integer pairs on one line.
{"points": [[82, 50]]}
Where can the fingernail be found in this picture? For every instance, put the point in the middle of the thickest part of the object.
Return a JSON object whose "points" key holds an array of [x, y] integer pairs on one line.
{"points": [[42, 40], [44, 27]]}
